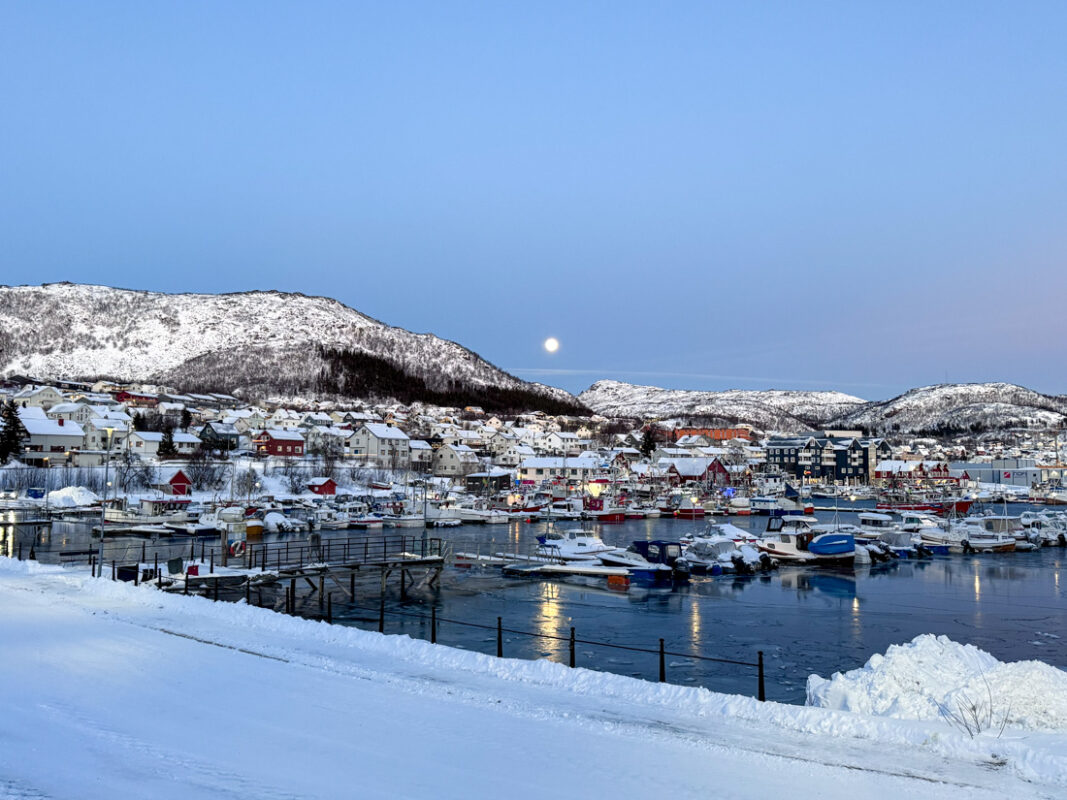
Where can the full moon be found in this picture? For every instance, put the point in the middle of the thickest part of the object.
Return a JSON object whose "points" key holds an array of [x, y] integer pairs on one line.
{"points": [[551, 344]]}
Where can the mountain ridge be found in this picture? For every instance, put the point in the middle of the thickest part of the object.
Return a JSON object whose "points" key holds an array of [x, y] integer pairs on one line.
{"points": [[254, 343], [939, 408]]}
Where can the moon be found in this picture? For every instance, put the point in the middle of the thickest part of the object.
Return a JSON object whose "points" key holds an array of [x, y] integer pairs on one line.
{"points": [[551, 344]]}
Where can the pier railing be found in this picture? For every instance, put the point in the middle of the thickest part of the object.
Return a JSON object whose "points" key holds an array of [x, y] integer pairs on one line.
{"points": [[264, 556], [572, 641]]}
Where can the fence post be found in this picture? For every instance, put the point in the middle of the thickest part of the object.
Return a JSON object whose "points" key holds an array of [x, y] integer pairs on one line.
{"points": [[329, 608], [762, 691], [113, 577], [572, 648], [211, 569], [20, 551], [381, 613], [499, 637], [248, 591], [192, 551], [433, 624], [156, 567], [292, 593], [201, 552], [144, 552], [352, 586], [662, 663]]}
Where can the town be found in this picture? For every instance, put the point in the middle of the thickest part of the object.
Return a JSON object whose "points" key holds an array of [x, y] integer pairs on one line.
{"points": [[155, 433]]}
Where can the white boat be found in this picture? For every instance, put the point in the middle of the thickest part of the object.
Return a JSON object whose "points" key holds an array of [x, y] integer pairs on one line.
{"points": [[575, 544], [798, 540], [872, 524], [968, 536], [705, 553]]}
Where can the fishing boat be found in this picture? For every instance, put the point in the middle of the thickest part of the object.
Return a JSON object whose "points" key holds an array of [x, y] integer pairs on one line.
{"points": [[796, 540]]}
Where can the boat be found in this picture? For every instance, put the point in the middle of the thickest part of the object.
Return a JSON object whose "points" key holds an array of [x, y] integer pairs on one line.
{"points": [[574, 544], [719, 553], [797, 540], [775, 506], [683, 505], [654, 562], [873, 524], [965, 536]]}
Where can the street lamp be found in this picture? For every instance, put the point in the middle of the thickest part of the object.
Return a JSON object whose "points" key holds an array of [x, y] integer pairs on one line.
{"points": [[103, 505]]}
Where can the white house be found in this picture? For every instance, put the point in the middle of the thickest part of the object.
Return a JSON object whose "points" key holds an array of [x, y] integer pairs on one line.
{"points": [[381, 444], [146, 443], [454, 459]]}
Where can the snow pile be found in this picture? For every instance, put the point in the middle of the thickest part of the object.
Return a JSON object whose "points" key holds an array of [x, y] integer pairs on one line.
{"points": [[72, 497], [933, 677]]}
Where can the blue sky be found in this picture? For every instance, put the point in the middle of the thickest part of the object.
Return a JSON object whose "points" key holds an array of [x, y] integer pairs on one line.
{"points": [[859, 196]]}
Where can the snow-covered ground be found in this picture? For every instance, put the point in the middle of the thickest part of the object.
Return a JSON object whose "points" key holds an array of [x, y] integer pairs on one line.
{"points": [[109, 690]]}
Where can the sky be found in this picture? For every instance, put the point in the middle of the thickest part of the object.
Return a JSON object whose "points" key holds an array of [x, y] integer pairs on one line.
{"points": [[855, 196]]}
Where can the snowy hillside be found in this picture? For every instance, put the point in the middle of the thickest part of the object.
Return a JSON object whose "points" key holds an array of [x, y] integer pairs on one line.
{"points": [[945, 408], [961, 406], [768, 410], [253, 341]]}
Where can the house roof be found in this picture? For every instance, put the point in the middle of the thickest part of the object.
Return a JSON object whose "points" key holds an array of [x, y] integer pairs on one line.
{"points": [[382, 431], [281, 434]]}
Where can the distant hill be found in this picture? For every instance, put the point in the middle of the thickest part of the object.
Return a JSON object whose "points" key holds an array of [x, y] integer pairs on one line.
{"points": [[785, 411], [256, 344], [945, 408]]}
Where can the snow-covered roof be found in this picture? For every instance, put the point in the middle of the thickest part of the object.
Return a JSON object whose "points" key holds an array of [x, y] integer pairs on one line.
{"points": [[282, 434], [157, 436], [382, 431], [50, 427]]}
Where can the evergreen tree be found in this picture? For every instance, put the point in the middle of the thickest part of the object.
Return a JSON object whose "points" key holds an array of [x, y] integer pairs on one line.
{"points": [[648, 442], [140, 424], [12, 432], [166, 447], [186, 420]]}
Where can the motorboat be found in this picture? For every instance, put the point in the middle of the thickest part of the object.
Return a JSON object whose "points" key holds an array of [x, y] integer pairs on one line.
{"points": [[873, 524], [970, 536], [574, 544], [719, 553], [797, 540]]}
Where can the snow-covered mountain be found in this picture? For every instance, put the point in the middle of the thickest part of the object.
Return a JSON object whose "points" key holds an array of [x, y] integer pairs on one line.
{"points": [[257, 342], [942, 408], [775, 410], [961, 407]]}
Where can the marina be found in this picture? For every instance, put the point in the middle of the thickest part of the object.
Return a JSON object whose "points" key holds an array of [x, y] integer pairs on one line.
{"points": [[804, 619]]}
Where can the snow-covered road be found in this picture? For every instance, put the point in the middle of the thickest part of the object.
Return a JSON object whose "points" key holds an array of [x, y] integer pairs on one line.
{"points": [[107, 690]]}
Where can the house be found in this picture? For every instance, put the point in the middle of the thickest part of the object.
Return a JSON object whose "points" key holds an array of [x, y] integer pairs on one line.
{"points": [[535, 470], [716, 434], [174, 481], [421, 455], [279, 442], [132, 399], [515, 454], [38, 397], [843, 456], [48, 441], [220, 436], [72, 412], [327, 440], [450, 460], [895, 471], [107, 433], [323, 486], [146, 443], [382, 444]]}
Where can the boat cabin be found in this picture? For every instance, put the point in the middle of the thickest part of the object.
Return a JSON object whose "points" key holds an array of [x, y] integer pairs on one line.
{"points": [[658, 551]]}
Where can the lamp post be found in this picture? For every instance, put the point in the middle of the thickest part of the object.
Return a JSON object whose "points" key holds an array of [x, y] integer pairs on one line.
{"points": [[103, 505]]}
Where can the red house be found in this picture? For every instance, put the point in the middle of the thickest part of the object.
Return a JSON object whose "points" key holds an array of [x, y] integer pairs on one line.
{"points": [[279, 442], [137, 399], [323, 486], [174, 481]]}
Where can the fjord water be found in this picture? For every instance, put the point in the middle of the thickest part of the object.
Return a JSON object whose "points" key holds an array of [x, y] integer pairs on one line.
{"points": [[805, 620]]}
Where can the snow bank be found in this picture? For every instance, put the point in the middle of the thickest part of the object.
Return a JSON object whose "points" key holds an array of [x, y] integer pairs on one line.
{"points": [[72, 497], [933, 677]]}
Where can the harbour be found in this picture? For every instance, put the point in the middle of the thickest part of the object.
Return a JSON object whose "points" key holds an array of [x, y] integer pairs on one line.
{"points": [[476, 578]]}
